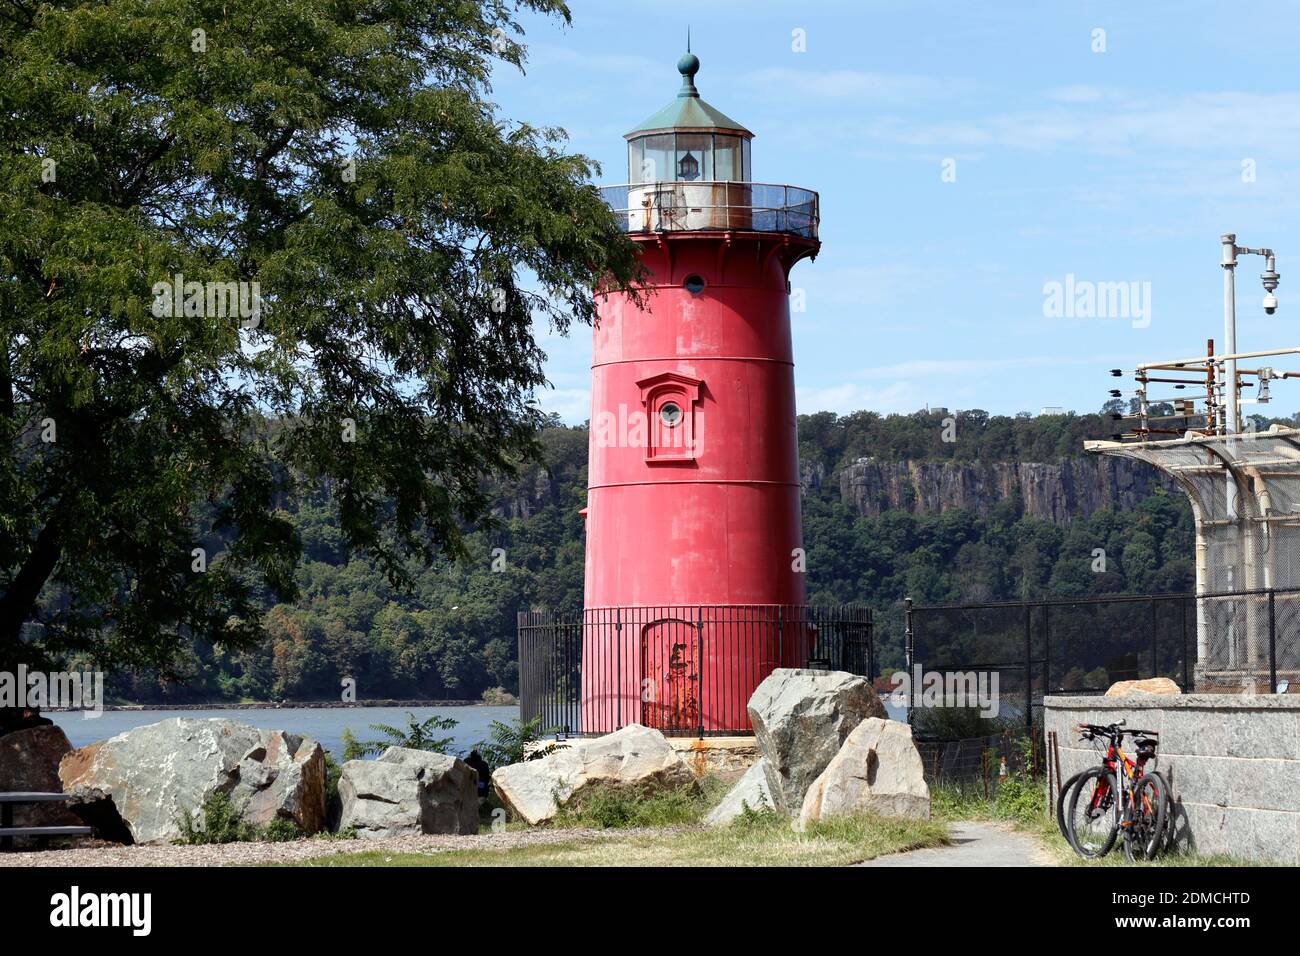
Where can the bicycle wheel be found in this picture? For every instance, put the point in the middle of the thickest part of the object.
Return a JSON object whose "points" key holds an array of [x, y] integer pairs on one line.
{"points": [[1093, 821], [1062, 801], [1145, 832]]}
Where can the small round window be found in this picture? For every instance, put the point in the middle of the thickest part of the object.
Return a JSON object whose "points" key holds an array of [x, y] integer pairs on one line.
{"points": [[694, 285], [670, 413]]}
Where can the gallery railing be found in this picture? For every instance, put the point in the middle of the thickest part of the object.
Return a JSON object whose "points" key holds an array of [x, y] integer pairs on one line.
{"points": [[685, 670], [702, 205]]}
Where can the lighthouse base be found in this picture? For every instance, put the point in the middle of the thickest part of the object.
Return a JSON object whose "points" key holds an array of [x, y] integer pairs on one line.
{"points": [[687, 671]]}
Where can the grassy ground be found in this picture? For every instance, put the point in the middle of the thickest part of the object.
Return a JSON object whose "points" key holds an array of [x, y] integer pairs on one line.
{"points": [[1021, 802], [679, 838], [762, 840]]}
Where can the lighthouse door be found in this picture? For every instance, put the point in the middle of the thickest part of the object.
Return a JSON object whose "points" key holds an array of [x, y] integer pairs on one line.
{"points": [[670, 683]]}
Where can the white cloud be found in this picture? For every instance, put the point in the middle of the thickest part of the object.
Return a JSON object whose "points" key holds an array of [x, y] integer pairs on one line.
{"points": [[571, 404]]}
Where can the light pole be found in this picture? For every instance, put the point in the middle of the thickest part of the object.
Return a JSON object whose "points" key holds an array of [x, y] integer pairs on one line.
{"points": [[1269, 277]]}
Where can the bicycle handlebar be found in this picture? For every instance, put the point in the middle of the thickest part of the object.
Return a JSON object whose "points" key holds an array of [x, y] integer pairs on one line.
{"points": [[1116, 730]]}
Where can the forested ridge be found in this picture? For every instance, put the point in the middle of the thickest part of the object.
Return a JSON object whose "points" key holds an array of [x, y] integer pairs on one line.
{"points": [[453, 634]]}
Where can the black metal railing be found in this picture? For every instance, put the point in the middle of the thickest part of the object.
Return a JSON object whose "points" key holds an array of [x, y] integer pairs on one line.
{"points": [[1204, 642], [696, 206], [685, 670]]}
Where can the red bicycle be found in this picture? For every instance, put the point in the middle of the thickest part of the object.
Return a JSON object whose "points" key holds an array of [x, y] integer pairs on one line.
{"points": [[1118, 797]]}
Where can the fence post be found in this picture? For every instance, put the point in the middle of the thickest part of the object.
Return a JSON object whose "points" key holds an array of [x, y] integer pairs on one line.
{"points": [[909, 646], [871, 645], [1029, 668], [700, 682], [1272, 644], [618, 667], [1155, 652], [1047, 649], [1182, 633]]}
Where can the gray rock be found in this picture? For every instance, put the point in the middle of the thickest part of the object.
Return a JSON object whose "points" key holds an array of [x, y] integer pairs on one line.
{"points": [[148, 777], [878, 770], [750, 791], [408, 791], [801, 718], [634, 756]]}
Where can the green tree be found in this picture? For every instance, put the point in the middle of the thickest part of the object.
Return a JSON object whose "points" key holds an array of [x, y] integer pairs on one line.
{"points": [[404, 239]]}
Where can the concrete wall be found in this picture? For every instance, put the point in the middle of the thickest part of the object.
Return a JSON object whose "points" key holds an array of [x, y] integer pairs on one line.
{"points": [[1233, 764]]}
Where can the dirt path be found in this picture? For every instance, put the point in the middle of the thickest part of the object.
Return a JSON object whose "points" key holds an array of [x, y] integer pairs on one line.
{"points": [[298, 850], [974, 844]]}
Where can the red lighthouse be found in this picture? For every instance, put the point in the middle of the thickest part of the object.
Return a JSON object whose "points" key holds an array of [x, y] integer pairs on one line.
{"points": [[694, 562]]}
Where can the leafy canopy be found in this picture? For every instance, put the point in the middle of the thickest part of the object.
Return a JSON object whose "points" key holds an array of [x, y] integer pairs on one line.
{"points": [[343, 156]]}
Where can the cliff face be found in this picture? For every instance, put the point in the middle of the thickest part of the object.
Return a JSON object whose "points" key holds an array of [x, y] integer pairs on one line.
{"points": [[1057, 492]]}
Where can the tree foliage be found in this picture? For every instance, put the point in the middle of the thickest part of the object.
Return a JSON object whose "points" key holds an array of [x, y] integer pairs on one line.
{"points": [[342, 156]]}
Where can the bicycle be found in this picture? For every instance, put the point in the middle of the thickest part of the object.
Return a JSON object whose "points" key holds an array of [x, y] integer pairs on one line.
{"points": [[1119, 796]]}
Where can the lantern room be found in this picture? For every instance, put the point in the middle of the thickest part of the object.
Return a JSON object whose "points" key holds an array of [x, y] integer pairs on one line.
{"points": [[688, 141]]}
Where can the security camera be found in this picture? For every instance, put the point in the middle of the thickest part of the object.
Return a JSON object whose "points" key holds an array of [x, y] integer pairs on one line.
{"points": [[1270, 303]]}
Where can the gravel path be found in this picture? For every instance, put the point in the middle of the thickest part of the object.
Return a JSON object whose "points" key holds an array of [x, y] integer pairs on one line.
{"points": [[974, 844], [299, 850]]}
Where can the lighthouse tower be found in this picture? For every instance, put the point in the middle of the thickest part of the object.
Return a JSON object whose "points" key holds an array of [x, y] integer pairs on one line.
{"points": [[694, 562]]}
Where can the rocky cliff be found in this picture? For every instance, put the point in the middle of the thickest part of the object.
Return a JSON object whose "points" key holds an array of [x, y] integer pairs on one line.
{"points": [[1056, 492]]}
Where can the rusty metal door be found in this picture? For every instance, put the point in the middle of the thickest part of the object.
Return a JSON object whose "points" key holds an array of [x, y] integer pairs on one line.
{"points": [[670, 680]]}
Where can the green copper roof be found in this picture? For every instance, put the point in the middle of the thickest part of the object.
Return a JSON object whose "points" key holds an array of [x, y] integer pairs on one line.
{"points": [[688, 111]]}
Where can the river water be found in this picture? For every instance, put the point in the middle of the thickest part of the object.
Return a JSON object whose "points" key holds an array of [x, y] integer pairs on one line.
{"points": [[323, 724]]}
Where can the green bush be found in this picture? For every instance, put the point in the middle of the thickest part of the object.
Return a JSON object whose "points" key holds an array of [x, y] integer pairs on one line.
{"points": [[217, 821], [418, 735], [513, 742], [617, 807]]}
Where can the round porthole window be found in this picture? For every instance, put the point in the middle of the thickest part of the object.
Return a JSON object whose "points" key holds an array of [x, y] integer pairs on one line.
{"points": [[670, 413], [694, 285]]}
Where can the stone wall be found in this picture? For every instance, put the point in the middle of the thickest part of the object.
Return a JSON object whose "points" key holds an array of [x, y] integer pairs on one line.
{"points": [[1233, 764]]}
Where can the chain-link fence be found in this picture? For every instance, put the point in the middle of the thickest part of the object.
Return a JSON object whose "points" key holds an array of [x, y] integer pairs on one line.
{"points": [[1245, 639]]}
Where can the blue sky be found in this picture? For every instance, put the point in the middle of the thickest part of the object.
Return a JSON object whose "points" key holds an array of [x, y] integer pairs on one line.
{"points": [[1115, 166]]}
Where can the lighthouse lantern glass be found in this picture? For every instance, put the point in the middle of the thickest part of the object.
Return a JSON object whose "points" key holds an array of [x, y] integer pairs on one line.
{"points": [[688, 157]]}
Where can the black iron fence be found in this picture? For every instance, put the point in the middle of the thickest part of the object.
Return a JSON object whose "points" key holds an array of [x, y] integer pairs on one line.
{"points": [[1082, 645], [686, 670]]}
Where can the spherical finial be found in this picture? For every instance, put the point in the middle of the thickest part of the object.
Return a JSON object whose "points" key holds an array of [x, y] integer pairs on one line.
{"points": [[688, 65]]}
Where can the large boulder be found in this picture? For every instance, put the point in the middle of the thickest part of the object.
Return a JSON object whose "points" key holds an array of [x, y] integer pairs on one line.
{"points": [[1152, 685], [147, 778], [878, 770], [408, 791], [801, 718], [634, 757], [29, 762], [750, 791]]}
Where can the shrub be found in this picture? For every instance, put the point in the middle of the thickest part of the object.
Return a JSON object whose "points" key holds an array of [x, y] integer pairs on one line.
{"points": [[512, 742], [617, 807], [217, 821], [418, 735]]}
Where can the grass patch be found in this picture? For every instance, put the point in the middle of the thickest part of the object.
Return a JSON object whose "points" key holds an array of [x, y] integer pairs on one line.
{"points": [[756, 839], [605, 808]]}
